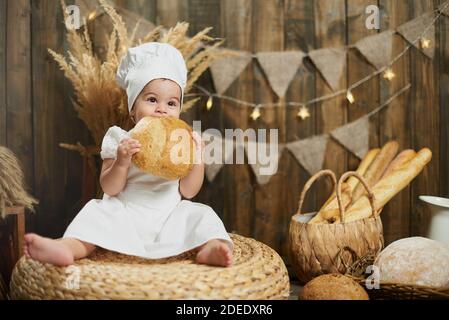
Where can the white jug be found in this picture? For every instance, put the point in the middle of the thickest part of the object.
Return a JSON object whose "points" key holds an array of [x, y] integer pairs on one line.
{"points": [[439, 224]]}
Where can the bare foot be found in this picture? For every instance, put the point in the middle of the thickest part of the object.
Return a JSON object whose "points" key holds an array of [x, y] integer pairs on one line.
{"points": [[47, 250], [215, 252]]}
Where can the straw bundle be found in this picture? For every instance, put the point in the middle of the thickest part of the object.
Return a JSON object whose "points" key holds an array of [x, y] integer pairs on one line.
{"points": [[258, 272], [12, 190]]}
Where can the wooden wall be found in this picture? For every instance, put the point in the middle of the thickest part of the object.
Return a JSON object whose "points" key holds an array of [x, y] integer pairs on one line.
{"points": [[36, 113]]}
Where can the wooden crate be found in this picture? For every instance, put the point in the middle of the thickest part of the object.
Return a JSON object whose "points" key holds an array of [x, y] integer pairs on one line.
{"points": [[12, 231]]}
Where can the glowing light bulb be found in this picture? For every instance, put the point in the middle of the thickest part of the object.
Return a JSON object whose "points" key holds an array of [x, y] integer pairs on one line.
{"points": [[425, 43], [209, 103], [389, 74], [91, 15], [255, 114], [350, 97], [303, 113]]}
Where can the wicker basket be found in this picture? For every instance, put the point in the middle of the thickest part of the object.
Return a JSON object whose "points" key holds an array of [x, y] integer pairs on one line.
{"points": [[392, 291], [316, 249], [258, 272]]}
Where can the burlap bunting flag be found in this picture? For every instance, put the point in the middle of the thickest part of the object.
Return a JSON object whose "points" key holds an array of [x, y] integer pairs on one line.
{"points": [[225, 71], [444, 7], [215, 154], [414, 29], [354, 136], [310, 152], [280, 68], [377, 49], [263, 163], [331, 63]]}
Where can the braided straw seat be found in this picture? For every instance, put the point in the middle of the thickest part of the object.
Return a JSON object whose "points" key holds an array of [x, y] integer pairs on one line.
{"points": [[258, 272]]}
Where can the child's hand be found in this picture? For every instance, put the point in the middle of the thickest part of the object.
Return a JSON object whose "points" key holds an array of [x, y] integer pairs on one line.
{"points": [[125, 151], [199, 147]]}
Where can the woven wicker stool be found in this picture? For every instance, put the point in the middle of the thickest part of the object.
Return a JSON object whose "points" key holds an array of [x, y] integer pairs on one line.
{"points": [[258, 272]]}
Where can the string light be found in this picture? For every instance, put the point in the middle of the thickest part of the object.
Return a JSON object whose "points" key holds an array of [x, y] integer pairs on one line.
{"points": [[389, 74], [209, 103], [91, 15], [256, 113], [425, 43], [350, 97], [303, 113]]}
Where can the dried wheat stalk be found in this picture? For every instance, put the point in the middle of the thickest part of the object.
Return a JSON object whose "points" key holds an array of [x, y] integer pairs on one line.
{"points": [[99, 101], [12, 191]]}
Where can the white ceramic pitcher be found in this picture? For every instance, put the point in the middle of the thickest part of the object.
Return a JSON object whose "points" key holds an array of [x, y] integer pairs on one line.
{"points": [[439, 225]]}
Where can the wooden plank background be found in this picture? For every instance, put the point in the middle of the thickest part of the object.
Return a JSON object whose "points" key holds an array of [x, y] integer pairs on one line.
{"points": [[36, 113]]}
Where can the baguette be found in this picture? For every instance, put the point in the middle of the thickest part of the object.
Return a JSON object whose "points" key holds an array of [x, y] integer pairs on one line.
{"points": [[332, 210], [389, 186], [401, 159], [325, 212], [377, 168]]}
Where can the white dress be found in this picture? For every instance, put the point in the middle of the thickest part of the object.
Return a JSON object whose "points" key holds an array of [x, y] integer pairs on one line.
{"points": [[147, 218]]}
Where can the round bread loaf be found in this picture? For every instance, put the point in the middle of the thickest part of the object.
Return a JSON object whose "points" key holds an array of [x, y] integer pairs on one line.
{"points": [[167, 147], [415, 261], [333, 286]]}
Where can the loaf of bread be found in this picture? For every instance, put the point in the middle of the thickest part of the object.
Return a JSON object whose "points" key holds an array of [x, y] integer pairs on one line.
{"points": [[167, 147], [401, 159], [330, 209], [377, 168], [389, 186], [415, 261], [333, 287]]}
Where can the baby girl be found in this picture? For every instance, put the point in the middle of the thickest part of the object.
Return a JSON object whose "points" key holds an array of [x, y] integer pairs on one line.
{"points": [[141, 214]]}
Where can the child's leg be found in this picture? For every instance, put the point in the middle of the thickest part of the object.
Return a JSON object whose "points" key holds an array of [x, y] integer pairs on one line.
{"points": [[80, 249], [60, 252], [215, 252]]}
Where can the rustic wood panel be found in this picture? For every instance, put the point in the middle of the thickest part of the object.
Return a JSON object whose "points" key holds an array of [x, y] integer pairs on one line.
{"points": [[236, 22], [36, 113], [444, 105], [367, 95], [19, 111], [169, 12], [203, 14], [269, 199], [3, 24], [56, 170], [394, 121], [145, 8], [425, 125], [330, 31], [299, 35]]}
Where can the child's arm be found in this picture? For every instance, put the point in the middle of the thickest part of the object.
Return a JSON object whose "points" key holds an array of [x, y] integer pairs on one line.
{"points": [[190, 185], [114, 171]]}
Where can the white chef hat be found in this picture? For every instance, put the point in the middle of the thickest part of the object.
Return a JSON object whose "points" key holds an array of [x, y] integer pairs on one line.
{"points": [[149, 61]]}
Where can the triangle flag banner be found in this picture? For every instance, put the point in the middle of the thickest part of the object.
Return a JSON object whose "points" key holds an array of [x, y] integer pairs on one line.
{"points": [[330, 62], [413, 30], [377, 49], [444, 8], [310, 152], [280, 68], [354, 136], [263, 163], [225, 71], [214, 155]]}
